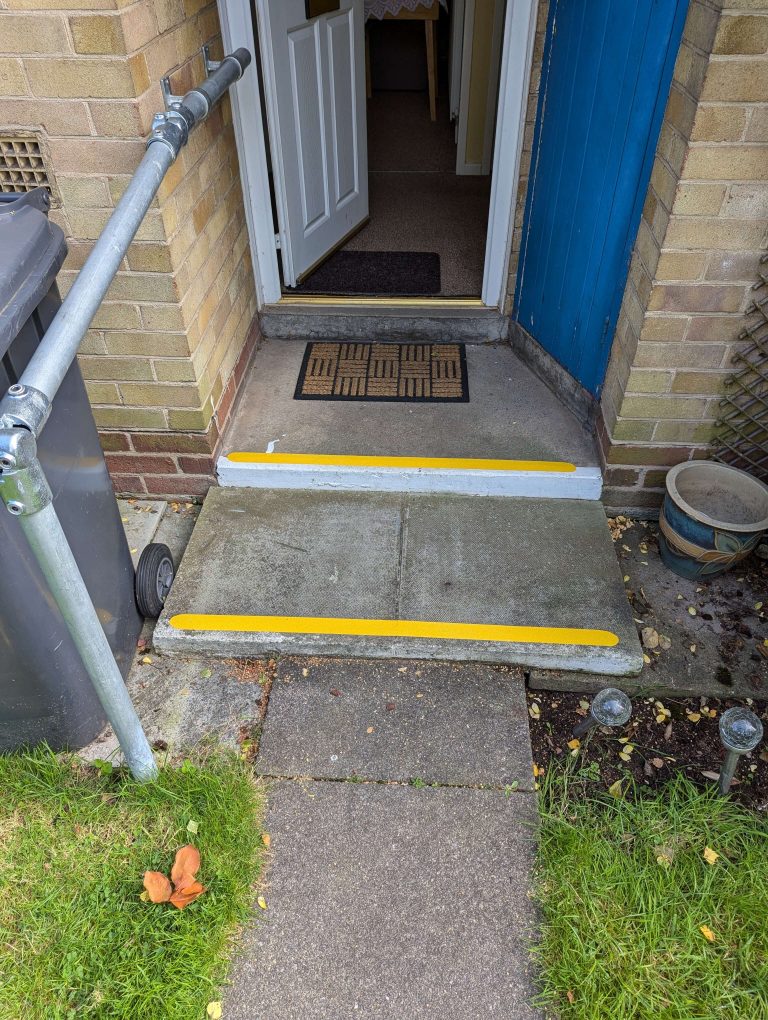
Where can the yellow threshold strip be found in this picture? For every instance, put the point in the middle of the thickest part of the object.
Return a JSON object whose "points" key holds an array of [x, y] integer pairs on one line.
{"points": [[423, 463], [447, 304], [394, 628]]}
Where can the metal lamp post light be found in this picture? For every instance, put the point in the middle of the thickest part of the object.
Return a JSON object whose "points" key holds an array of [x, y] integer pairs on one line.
{"points": [[610, 707], [740, 732]]}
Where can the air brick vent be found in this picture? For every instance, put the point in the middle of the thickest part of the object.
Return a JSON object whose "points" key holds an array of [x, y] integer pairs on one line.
{"points": [[22, 164]]}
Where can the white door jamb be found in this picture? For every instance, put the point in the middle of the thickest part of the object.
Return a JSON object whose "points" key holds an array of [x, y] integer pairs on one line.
{"points": [[517, 53]]}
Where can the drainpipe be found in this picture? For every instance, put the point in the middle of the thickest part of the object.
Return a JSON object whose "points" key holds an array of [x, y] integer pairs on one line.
{"points": [[26, 406]]}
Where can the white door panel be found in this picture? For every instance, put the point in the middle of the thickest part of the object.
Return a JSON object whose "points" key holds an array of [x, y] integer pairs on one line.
{"points": [[314, 83]]}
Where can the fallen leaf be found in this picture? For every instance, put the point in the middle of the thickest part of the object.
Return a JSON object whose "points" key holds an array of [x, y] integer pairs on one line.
{"points": [[390, 706], [261, 902], [158, 887], [624, 756], [335, 692], [664, 642], [711, 775], [214, 1011], [143, 896], [538, 770], [206, 674], [402, 669], [192, 826], [570, 996], [693, 717], [266, 839], [573, 744], [626, 578], [369, 730], [710, 856], [584, 704], [185, 866], [692, 610], [657, 762], [147, 660], [534, 711], [650, 637], [693, 648], [616, 790], [186, 895], [707, 932], [305, 672], [646, 658], [664, 858]]}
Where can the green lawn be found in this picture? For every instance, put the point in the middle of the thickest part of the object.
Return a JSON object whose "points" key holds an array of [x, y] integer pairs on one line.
{"points": [[75, 938], [624, 890]]}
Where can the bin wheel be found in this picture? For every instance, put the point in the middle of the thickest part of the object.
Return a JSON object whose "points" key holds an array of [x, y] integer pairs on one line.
{"points": [[154, 577]]}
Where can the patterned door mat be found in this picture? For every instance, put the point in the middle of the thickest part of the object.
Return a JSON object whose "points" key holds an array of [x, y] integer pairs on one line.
{"points": [[372, 371]]}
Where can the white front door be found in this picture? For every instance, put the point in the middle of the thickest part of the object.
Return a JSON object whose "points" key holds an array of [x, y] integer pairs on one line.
{"points": [[314, 84]]}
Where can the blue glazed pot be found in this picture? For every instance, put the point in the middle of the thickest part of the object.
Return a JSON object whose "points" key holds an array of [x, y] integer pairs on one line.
{"points": [[713, 516]]}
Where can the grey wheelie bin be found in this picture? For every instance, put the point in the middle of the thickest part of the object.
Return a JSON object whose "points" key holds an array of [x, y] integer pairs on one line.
{"points": [[45, 693]]}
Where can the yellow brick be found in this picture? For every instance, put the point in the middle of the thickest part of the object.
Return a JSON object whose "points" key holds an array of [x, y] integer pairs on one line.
{"points": [[139, 26], [724, 123], [143, 287], [177, 370], [60, 5], [679, 265], [120, 119], [707, 232], [97, 33], [31, 33], [652, 408], [734, 81], [13, 81], [741, 34], [727, 162], [650, 381], [698, 382], [96, 155], [79, 78], [684, 431], [116, 316], [145, 257], [698, 199], [129, 418], [54, 117], [162, 317], [697, 297], [154, 395], [168, 13], [117, 369], [103, 393], [154, 345], [194, 421], [84, 192], [757, 130]]}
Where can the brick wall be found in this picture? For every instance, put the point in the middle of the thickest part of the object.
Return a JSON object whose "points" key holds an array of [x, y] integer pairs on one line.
{"points": [[702, 233], [171, 342]]}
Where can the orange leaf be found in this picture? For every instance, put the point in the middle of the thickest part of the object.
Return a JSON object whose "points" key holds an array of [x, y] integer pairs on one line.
{"points": [[191, 892], [157, 885], [185, 866]]}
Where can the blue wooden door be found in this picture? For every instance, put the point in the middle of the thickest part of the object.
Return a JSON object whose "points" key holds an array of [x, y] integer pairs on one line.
{"points": [[605, 80]]}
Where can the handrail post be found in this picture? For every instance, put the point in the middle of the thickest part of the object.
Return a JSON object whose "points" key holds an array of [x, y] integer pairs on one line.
{"points": [[26, 406]]}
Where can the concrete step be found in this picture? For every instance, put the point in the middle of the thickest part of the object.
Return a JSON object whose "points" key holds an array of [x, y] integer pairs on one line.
{"points": [[513, 437], [532, 582]]}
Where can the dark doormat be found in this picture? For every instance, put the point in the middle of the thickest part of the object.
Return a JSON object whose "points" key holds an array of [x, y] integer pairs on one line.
{"points": [[396, 372], [405, 273]]}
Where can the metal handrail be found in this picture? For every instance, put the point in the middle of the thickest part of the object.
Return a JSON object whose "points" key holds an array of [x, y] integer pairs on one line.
{"points": [[26, 406]]}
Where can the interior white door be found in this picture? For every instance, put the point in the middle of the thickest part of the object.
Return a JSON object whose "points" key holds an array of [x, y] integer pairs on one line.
{"points": [[314, 85], [482, 33]]}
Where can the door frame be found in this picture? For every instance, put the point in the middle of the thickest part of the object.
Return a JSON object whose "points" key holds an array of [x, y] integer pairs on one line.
{"points": [[250, 136]]}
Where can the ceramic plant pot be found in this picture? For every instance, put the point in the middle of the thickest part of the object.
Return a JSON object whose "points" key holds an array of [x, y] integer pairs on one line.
{"points": [[713, 516]]}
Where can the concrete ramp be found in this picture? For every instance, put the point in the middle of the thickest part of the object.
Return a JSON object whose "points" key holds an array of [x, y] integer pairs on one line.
{"points": [[532, 582]]}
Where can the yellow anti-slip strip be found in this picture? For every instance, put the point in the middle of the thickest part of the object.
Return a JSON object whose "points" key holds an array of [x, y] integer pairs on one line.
{"points": [[394, 628], [423, 463]]}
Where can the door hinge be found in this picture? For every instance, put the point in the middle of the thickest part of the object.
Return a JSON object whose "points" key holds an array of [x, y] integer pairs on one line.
{"points": [[277, 242]]}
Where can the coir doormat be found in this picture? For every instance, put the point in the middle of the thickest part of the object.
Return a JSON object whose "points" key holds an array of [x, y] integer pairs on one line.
{"points": [[404, 273], [384, 371]]}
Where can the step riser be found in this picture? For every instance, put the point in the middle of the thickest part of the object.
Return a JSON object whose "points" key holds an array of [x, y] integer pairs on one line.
{"points": [[583, 483], [228, 644]]}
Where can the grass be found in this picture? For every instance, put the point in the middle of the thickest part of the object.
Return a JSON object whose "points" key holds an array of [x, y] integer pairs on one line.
{"points": [[622, 929], [75, 939]]}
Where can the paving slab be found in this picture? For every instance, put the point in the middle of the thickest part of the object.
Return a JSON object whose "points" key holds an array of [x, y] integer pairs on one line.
{"points": [[437, 559], [450, 723], [389, 902]]}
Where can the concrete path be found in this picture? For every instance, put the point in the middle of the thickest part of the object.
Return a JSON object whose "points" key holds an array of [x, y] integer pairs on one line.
{"points": [[388, 899]]}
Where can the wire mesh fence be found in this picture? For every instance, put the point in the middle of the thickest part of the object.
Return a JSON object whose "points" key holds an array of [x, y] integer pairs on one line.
{"points": [[741, 438]]}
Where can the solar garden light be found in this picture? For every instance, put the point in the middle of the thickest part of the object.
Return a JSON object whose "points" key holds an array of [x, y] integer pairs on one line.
{"points": [[740, 731], [610, 707]]}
